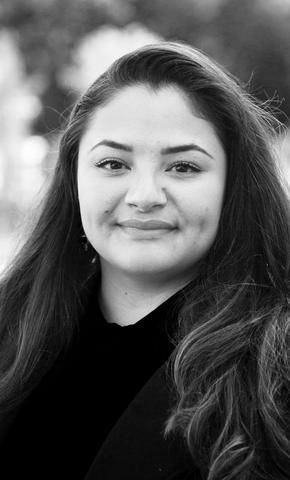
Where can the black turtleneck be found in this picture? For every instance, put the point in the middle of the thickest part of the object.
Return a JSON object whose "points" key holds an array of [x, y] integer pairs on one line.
{"points": [[64, 422]]}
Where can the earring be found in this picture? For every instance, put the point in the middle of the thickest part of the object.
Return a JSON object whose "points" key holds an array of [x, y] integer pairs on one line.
{"points": [[84, 242], [85, 246]]}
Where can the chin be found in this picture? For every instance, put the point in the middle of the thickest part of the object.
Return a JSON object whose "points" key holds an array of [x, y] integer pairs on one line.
{"points": [[146, 269]]}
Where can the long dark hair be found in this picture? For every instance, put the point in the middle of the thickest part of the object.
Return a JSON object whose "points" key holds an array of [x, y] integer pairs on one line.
{"points": [[230, 366]]}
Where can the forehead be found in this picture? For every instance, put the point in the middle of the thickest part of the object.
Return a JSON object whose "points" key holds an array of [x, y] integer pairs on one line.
{"points": [[157, 116], [140, 100]]}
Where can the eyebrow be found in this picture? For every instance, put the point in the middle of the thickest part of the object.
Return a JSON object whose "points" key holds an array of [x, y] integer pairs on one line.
{"points": [[184, 148], [112, 144], [164, 151]]}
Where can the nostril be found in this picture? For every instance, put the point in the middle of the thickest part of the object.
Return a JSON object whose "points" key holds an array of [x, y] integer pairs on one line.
{"points": [[146, 204], [145, 196]]}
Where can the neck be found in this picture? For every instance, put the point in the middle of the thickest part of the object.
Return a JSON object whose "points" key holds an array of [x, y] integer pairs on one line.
{"points": [[125, 300]]}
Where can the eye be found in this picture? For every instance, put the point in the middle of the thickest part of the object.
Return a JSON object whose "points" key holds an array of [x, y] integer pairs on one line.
{"points": [[185, 167], [111, 164]]}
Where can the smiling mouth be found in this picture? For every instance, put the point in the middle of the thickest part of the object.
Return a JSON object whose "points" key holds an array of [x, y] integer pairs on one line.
{"points": [[149, 225], [145, 233]]}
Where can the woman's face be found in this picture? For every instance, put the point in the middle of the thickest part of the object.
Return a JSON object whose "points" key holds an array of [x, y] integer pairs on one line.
{"points": [[151, 179]]}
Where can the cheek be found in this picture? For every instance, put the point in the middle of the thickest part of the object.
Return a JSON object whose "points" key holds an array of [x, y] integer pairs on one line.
{"points": [[94, 201], [96, 215], [204, 218], [212, 215]]}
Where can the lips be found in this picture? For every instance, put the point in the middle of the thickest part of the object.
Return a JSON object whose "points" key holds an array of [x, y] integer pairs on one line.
{"points": [[152, 224]]}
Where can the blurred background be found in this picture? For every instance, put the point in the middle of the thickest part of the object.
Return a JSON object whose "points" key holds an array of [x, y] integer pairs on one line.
{"points": [[51, 50]]}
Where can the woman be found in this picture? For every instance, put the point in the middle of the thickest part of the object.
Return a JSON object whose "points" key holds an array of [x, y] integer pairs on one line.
{"points": [[145, 321]]}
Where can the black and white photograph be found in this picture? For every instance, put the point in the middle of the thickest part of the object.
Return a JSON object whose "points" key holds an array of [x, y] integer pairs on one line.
{"points": [[144, 240]]}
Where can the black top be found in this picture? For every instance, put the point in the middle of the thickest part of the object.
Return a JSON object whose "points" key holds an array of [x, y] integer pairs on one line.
{"points": [[64, 422]]}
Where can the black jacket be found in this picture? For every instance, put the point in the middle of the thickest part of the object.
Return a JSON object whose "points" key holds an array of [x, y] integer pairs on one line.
{"points": [[136, 448], [101, 408]]}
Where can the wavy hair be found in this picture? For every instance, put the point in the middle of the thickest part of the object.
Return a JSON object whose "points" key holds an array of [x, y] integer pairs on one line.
{"points": [[231, 363]]}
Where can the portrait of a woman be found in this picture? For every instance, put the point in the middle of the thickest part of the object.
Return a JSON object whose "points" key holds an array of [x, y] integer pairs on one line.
{"points": [[145, 322]]}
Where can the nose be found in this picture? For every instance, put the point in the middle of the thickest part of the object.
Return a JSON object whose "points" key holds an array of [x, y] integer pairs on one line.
{"points": [[145, 193]]}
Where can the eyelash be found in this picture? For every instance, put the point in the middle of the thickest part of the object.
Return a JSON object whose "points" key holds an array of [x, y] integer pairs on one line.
{"points": [[194, 168], [103, 163]]}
